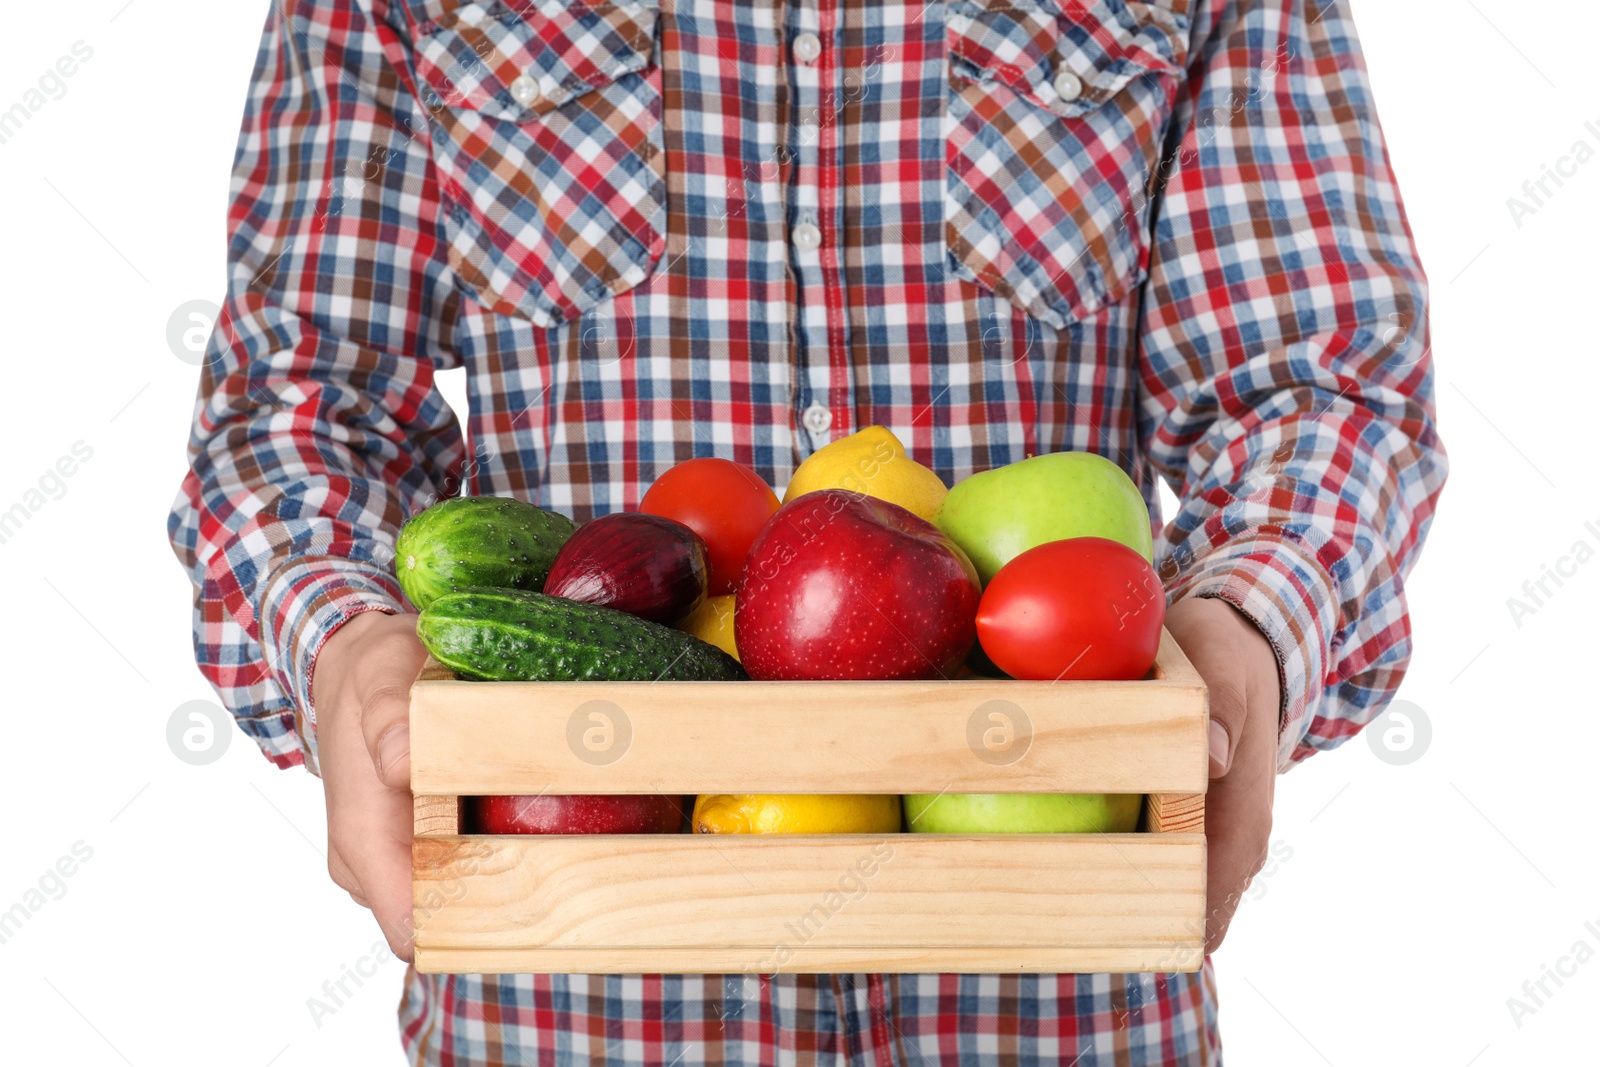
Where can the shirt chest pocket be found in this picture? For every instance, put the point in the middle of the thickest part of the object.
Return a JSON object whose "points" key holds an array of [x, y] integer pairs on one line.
{"points": [[1054, 120], [548, 143]]}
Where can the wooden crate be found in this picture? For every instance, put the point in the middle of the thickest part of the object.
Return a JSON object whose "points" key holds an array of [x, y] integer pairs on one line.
{"points": [[719, 903]]}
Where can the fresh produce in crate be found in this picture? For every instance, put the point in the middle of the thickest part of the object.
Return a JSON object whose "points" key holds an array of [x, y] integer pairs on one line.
{"points": [[726, 503], [646, 565], [873, 462], [477, 541], [650, 813], [843, 581], [511, 635], [998, 514], [840, 585]]}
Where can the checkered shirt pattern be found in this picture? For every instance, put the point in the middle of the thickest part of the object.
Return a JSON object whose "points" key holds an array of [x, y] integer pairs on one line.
{"points": [[1190, 257]]}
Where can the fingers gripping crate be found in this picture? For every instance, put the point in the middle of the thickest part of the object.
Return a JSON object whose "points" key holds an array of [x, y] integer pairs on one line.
{"points": [[726, 903]]}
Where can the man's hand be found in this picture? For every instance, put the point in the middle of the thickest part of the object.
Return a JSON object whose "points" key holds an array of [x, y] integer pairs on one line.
{"points": [[360, 688], [1241, 671]]}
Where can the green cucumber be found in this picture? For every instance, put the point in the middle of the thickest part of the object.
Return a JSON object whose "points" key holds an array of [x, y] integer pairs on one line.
{"points": [[470, 541], [512, 635]]}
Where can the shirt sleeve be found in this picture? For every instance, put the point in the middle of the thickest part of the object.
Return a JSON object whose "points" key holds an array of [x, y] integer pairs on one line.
{"points": [[1286, 379], [318, 426]]}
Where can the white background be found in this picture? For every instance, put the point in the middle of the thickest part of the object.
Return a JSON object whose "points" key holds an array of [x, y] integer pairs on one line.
{"points": [[1416, 899]]}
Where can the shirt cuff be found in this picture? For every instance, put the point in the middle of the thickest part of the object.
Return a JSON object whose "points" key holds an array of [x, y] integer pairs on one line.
{"points": [[302, 604], [1275, 580]]}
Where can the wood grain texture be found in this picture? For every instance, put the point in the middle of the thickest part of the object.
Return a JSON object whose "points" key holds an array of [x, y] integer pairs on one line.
{"points": [[972, 735], [1175, 813], [696, 904], [1086, 959], [435, 816]]}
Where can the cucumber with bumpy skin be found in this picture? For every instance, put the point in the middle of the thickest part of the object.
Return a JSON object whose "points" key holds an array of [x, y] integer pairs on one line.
{"points": [[470, 541], [511, 635]]}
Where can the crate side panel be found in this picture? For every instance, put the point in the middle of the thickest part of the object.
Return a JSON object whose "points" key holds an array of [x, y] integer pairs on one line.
{"points": [[774, 903], [809, 959], [808, 737]]}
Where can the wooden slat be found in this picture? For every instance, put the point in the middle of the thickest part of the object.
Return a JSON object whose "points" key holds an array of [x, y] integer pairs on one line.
{"points": [[1082, 959], [810, 737], [697, 904], [1175, 813], [436, 816]]}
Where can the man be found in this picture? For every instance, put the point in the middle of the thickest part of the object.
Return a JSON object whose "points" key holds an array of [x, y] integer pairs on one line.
{"points": [[1165, 232]]}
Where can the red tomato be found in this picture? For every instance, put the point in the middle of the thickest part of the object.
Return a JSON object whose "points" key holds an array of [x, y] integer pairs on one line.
{"points": [[726, 503], [1086, 607]]}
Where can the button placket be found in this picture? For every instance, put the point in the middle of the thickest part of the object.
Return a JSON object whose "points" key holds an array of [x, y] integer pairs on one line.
{"points": [[807, 66]]}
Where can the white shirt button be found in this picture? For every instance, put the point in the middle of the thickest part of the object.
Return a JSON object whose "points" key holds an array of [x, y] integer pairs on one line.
{"points": [[807, 47], [1068, 86], [806, 237], [525, 90], [817, 418]]}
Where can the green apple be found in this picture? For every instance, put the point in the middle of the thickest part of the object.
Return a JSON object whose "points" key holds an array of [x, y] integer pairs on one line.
{"points": [[1023, 813], [997, 515]]}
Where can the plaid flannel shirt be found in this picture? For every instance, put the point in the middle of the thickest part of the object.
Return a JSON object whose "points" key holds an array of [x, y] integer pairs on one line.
{"points": [[1166, 232]]}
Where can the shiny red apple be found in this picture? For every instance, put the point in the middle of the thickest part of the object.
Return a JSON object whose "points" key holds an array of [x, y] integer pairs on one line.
{"points": [[842, 585], [653, 814]]}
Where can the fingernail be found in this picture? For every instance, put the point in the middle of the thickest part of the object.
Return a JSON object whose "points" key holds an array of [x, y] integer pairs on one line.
{"points": [[1219, 749], [397, 742]]}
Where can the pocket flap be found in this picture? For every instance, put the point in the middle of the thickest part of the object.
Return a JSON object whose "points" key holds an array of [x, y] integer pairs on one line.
{"points": [[1030, 44], [518, 60]]}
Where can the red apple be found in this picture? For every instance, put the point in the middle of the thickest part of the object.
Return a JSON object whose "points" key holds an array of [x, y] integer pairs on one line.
{"points": [[842, 585], [653, 814]]}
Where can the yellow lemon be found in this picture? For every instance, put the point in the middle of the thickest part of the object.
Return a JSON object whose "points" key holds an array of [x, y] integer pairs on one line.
{"points": [[873, 462], [765, 813], [712, 622]]}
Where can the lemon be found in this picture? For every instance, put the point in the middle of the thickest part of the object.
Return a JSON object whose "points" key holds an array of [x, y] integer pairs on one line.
{"points": [[873, 462], [765, 813], [712, 622]]}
